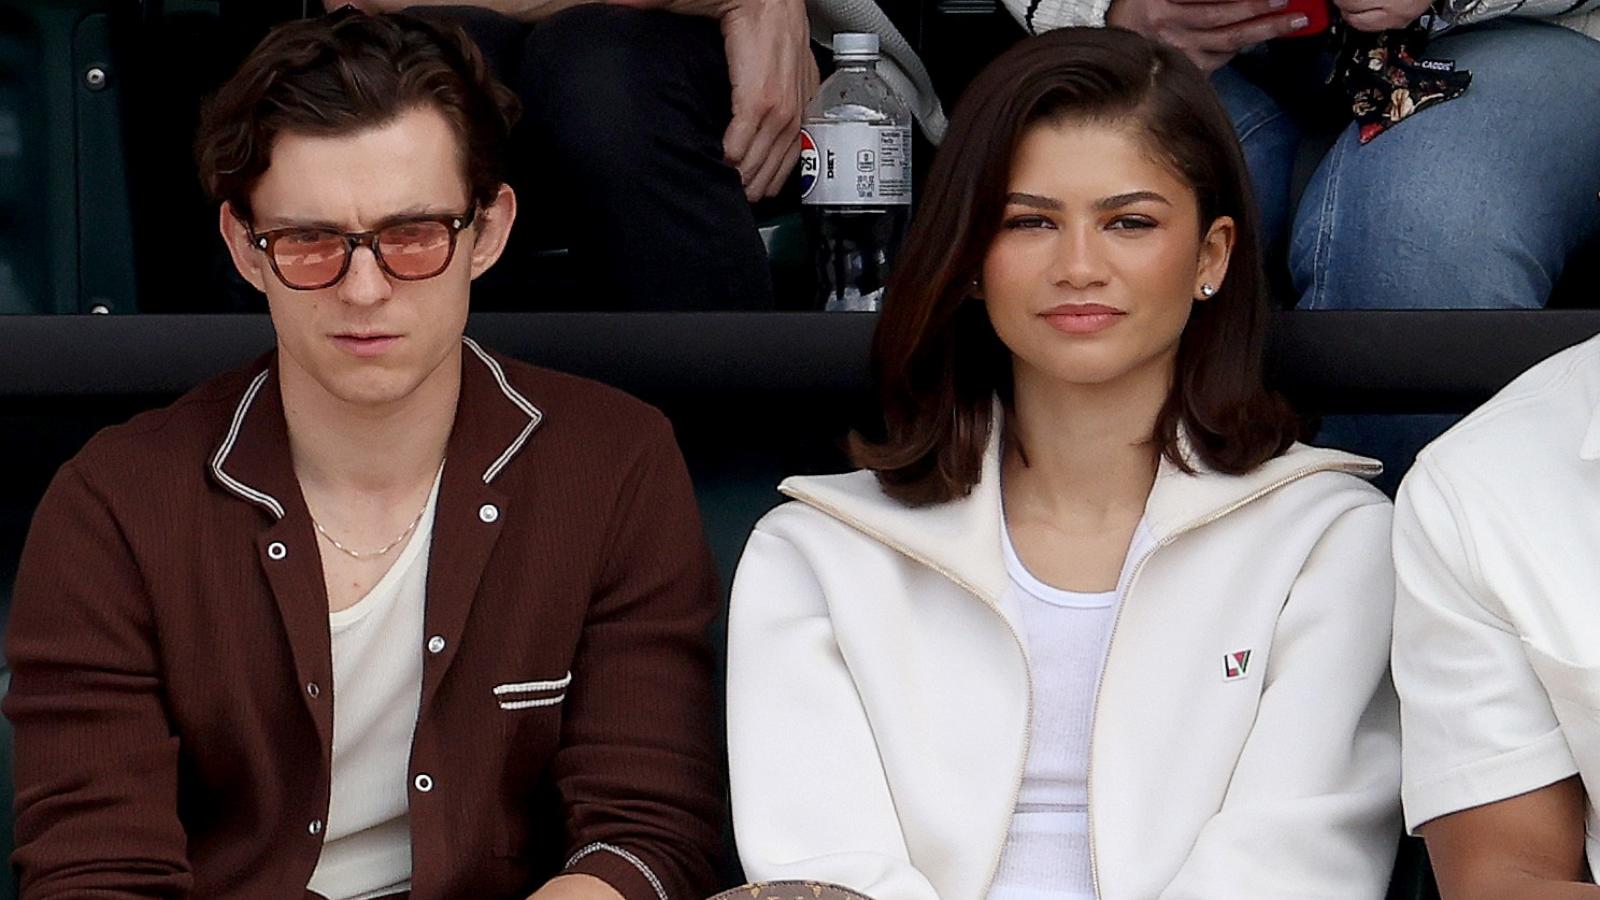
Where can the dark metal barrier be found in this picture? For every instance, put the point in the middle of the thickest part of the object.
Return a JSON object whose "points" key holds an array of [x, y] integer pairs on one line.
{"points": [[1328, 362]]}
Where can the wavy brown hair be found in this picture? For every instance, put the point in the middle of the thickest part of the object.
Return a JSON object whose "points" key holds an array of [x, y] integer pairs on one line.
{"points": [[347, 72], [938, 361]]}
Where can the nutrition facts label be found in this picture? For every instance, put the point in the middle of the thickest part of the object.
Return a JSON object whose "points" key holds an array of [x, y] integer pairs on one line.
{"points": [[855, 164]]}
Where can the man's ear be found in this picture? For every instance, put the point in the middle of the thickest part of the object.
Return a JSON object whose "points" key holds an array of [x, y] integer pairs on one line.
{"points": [[492, 229], [1216, 248], [247, 259]]}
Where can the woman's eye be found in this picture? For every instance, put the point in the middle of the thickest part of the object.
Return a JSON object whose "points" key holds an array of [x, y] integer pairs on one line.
{"points": [[1028, 222], [1131, 223]]}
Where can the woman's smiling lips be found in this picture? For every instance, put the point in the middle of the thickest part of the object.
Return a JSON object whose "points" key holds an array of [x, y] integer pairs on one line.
{"points": [[1082, 318], [365, 345]]}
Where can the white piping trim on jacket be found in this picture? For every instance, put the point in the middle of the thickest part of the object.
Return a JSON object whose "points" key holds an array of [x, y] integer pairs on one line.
{"points": [[228, 481], [530, 704], [520, 687], [534, 415], [638, 863]]}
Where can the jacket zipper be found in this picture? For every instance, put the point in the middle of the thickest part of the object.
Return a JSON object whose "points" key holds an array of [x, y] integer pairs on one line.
{"points": [[1094, 713]]}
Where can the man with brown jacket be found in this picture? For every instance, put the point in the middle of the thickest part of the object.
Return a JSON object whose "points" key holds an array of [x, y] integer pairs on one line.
{"points": [[382, 614]]}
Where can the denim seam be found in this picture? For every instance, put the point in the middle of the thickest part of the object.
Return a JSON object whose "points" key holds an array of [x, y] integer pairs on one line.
{"points": [[1257, 126], [1326, 225]]}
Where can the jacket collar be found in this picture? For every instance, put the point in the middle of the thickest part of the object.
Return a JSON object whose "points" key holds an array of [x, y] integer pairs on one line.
{"points": [[493, 422], [961, 538]]}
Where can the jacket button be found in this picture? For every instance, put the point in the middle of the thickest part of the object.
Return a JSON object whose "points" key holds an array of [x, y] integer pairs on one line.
{"points": [[423, 782], [436, 644], [315, 828], [276, 550], [488, 513], [313, 690]]}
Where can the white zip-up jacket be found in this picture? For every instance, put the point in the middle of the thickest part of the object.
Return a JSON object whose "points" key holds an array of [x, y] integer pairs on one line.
{"points": [[879, 693]]}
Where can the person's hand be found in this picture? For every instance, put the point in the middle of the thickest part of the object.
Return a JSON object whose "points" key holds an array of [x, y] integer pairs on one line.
{"points": [[774, 76], [1380, 15], [1209, 32]]}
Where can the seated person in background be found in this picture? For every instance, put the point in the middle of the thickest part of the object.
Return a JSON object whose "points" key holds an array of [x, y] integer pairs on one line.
{"points": [[381, 612], [629, 142], [1497, 639], [1089, 611], [1476, 202]]}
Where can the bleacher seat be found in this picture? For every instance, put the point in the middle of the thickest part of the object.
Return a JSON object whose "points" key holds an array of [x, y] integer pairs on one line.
{"points": [[753, 396], [66, 238]]}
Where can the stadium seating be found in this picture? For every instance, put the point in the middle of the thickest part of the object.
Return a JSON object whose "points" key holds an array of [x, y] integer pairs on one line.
{"points": [[99, 207], [753, 396], [65, 226]]}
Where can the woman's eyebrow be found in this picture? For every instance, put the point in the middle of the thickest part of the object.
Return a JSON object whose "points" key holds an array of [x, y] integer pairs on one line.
{"points": [[1033, 200], [1117, 201]]}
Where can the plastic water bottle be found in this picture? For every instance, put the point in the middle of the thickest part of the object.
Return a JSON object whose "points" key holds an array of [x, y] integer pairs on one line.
{"points": [[855, 177]]}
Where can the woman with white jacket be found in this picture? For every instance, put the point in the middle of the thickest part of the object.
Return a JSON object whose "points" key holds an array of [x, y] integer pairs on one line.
{"points": [[1088, 623]]}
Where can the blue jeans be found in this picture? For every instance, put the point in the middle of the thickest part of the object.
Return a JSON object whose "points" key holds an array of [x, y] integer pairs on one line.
{"points": [[1474, 203]]}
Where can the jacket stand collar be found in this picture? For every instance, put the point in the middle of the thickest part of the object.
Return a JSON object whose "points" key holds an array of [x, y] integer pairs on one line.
{"points": [[961, 538]]}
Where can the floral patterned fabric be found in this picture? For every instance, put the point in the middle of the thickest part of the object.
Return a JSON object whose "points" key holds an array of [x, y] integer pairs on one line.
{"points": [[1387, 79]]}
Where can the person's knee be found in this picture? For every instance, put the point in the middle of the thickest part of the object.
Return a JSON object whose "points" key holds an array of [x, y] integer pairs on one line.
{"points": [[1414, 240], [1461, 204], [1512, 60]]}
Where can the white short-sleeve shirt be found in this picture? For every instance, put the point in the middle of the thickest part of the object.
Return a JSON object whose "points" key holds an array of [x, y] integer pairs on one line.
{"points": [[1497, 615]]}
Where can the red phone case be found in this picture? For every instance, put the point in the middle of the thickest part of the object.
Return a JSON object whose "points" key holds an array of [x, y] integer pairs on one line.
{"points": [[1318, 11]]}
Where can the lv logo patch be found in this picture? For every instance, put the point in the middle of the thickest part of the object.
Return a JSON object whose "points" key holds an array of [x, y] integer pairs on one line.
{"points": [[1235, 665]]}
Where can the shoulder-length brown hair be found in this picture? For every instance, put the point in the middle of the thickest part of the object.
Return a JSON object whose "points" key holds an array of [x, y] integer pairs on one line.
{"points": [[938, 360]]}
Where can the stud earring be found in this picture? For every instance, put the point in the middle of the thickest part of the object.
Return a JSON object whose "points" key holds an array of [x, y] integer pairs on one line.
{"points": [[1207, 291]]}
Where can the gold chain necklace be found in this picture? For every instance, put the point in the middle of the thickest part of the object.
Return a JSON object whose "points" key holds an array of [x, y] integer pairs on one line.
{"points": [[356, 554], [372, 554]]}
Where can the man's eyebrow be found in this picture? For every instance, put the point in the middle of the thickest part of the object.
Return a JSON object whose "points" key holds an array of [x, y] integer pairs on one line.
{"points": [[1033, 200], [270, 223], [1117, 201]]}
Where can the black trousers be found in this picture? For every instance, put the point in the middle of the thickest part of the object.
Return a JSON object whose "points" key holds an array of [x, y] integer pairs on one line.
{"points": [[618, 160]]}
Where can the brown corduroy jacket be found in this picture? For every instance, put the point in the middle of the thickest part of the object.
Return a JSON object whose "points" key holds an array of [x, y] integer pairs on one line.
{"points": [[169, 642]]}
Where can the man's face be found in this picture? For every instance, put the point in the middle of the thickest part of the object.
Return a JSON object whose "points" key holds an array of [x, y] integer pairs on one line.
{"points": [[370, 339]]}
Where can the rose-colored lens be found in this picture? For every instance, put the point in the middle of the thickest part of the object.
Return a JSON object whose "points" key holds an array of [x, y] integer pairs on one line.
{"points": [[415, 249], [308, 257]]}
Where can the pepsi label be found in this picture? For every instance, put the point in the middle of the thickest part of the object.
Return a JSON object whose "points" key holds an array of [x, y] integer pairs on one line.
{"points": [[855, 164], [808, 164]]}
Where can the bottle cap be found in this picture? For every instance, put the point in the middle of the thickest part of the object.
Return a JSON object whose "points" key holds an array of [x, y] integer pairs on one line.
{"points": [[855, 44]]}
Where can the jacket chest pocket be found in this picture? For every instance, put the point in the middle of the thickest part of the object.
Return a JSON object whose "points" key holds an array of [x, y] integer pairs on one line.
{"points": [[515, 696], [530, 712]]}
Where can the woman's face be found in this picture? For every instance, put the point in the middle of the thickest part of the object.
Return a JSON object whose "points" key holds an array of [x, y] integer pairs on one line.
{"points": [[1099, 256]]}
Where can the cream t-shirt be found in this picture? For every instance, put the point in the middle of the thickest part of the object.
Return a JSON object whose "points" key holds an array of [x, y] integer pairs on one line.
{"points": [[377, 677]]}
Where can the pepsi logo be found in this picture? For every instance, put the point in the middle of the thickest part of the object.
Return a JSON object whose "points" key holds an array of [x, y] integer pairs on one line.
{"points": [[809, 163]]}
